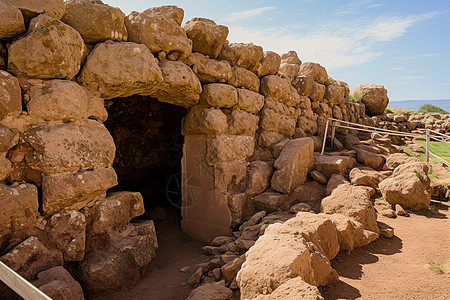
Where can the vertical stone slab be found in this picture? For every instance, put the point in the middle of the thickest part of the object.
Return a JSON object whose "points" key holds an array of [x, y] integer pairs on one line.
{"points": [[204, 210]]}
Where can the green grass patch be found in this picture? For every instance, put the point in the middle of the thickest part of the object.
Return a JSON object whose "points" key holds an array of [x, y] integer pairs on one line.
{"points": [[393, 110], [437, 268]]}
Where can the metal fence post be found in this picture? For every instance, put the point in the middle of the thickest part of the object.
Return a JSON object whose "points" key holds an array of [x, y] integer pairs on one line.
{"points": [[428, 146]]}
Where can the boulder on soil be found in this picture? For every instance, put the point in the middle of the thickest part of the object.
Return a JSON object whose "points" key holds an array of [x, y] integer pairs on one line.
{"points": [[370, 159], [270, 64], [57, 283], [329, 165], [207, 37], [121, 70], [211, 291], [408, 186], [159, 33], [354, 202], [31, 257], [10, 95], [246, 56], [209, 70], [295, 288], [293, 165], [367, 176], [95, 21], [384, 208], [396, 159], [67, 230], [50, 49], [373, 96], [18, 211], [11, 23], [69, 148], [335, 181]]}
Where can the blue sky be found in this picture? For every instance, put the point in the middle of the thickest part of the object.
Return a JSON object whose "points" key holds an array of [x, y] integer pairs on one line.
{"points": [[401, 44]]}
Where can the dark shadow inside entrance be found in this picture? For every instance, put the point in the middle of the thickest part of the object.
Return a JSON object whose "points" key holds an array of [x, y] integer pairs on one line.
{"points": [[147, 134]]}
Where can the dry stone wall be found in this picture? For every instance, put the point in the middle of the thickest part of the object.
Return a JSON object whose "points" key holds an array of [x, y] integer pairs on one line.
{"points": [[249, 111]]}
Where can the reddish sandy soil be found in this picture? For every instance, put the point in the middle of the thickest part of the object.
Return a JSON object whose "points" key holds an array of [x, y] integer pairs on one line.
{"points": [[399, 268]]}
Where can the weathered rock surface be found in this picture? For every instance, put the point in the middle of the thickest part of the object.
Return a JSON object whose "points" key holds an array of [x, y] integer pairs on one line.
{"points": [[211, 291], [64, 100], [108, 70], [270, 64], [242, 123], [293, 165], [11, 23], [57, 283], [318, 73], [32, 8], [207, 37], [258, 174], [367, 176], [396, 159], [250, 101], [373, 96], [67, 230], [158, 32], [280, 89], [303, 84], [370, 159], [219, 95], [293, 289], [18, 211], [95, 21], [69, 148], [50, 49], [10, 95], [209, 70], [247, 56], [269, 201], [243, 78], [202, 120], [329, 165], [227, 148]]}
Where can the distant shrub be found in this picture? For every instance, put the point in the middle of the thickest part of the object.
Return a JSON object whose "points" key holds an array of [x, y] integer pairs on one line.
{"points": [[354, 97], [429, 108], [393, 110], [388, 111]]}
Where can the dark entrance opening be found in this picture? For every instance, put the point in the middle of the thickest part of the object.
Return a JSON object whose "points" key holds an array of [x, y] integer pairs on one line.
{"points": [[147, 134]]}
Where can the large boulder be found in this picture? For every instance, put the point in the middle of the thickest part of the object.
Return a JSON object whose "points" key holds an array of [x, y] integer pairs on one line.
{"points": [[75, 190], [180, 86], [318, 73], [207, 37], [11, 23], [243, 78], [373, 96], [295, 288], [32, 8], [408, 186], [303, 84], [209, 70], [293, 165], [50, 49], [242, 123], [211, 291], [18, 211], [354, 202], [168, 11], [69, 148], [250, 101], [226, 148], [258, 177], [203, 120], [10, 95], [219, 95], [367, 176], [64, 100], [57, 283], [270, 64], [67, 230], [333, 164], [280, 89], [397, 159], [121, 70], [158, 32], [246, 56], [95, 21]]}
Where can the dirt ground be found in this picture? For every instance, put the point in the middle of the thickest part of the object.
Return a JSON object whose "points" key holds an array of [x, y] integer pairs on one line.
{"points": [[166, 281], [399, 268]]}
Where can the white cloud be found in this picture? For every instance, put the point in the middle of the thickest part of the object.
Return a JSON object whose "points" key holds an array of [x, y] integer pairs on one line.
{"points": [[376, 5], [245, 14], [334, 45]]}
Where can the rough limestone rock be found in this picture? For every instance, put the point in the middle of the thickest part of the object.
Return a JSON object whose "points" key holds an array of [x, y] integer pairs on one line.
{"points": [[50, 49], [159, 33], [270, 64], [67, 230], [269, 201], [10, 95], [290, 65], [317, 92], [258, 177], [211, 291], [243, 78], [121, 70], [279, 89], [408, 186], [396, 159], [11, 23], [242, 123], [203, 120], [57, 283], [75, 190], [31, 257], [370, 159], [293, 289], [279, 118], [226, 148], [293, 165], [354, 202], [207, 37], [95, 21], [32, 8], [367, 176], [373, 96], [169, 11], [329, 165], [5, 167], [335, 94], [64, 100], [318, 73], [289, 250], [384, 208], [246, 56], [351, 233], [303, 84], [69, 148], [180, 85], [122, 263], [209, 70], [250, 101], [18, 211], [219, 95]]}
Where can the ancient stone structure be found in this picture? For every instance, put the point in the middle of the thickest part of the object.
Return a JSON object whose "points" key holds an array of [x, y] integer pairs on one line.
{"points": [[240, 124]]}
